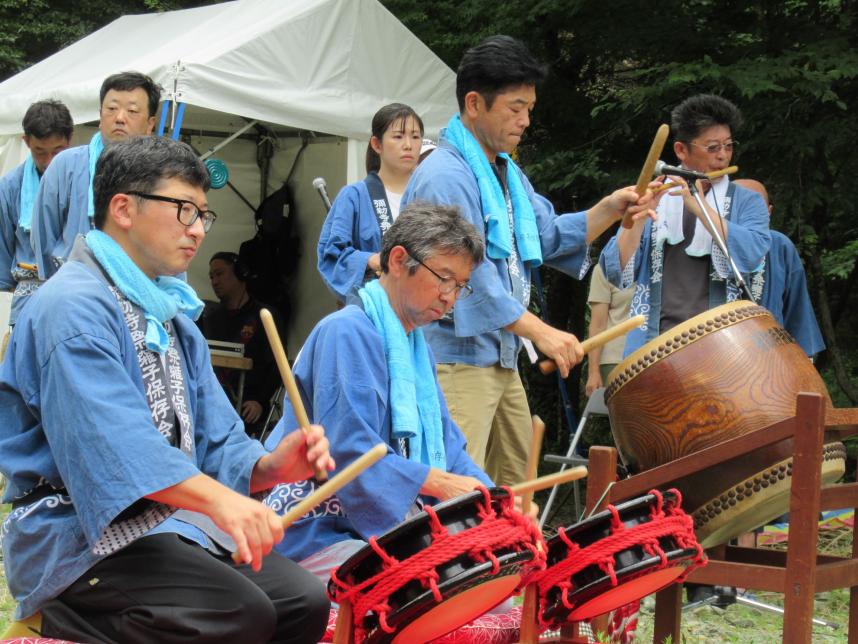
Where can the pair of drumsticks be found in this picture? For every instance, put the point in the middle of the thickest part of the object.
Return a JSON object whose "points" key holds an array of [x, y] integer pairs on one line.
{"points": [[648, 169], [351, 471]]}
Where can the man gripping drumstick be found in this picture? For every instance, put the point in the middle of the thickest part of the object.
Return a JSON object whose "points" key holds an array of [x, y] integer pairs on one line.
{"points": [[367, 375], [111, 419]]}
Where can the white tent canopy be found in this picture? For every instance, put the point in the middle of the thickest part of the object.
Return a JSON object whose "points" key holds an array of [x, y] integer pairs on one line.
{"points": [[323, 65], [296, 66]]}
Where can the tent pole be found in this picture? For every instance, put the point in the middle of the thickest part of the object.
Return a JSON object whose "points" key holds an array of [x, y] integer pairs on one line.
{"points": [[165, 106], [177, 127]]}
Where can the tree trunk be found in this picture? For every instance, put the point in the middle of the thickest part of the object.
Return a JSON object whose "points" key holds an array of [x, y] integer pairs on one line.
{"points": [[828, 332]]}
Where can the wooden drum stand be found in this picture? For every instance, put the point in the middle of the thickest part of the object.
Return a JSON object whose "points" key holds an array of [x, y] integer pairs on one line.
{"points": [[799, 572]]}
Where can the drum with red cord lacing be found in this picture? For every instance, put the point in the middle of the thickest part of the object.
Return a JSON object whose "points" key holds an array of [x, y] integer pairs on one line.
{"points": [[440, 569], [616, 557]]}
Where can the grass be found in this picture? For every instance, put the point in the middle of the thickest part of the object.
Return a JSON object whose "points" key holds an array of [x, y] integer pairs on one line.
{"points": [[743, 624], [7, 604]]}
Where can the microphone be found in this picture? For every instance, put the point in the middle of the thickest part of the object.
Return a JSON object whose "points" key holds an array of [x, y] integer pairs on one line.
{"points": [[320, 185], [662, 168]]}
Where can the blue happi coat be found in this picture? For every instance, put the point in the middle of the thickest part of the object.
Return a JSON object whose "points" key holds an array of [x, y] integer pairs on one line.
{"points": [[785, 294], [474, 334], [74, 416], [15, 245], [60, 211], [343, 378], [349, 236], [747, 241]]}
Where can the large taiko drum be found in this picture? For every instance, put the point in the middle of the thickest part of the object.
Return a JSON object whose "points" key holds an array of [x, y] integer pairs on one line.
{"points": [[722, 374], [440, 569], [616, 557]]}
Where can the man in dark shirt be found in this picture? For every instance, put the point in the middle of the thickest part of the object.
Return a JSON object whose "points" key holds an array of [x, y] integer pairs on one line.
{"points": [[236, 319]]}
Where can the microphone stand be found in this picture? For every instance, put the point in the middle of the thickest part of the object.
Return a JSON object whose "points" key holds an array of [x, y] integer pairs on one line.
{"points": [[716, 235]]}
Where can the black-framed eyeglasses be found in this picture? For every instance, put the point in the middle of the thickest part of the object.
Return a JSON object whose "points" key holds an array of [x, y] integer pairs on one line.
{"points": [[187, 212], [447, 285], [715, 148]]}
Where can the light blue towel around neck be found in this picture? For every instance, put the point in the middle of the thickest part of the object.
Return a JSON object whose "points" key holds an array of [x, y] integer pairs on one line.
{"points": [[161, 299], [495, 215], [29, 190], [415, 409], [96, 147]]}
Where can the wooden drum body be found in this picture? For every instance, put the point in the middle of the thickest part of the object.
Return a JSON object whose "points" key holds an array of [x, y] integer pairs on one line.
{"points": [[722, 374]]}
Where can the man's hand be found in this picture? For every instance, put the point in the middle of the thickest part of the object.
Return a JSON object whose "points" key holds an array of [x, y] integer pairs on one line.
{"points": [[561, 347], [251, 411], [613, 207], [297, 457], [594, 381], [374, 263], [254, 527], [446, 485], [532, 512]]}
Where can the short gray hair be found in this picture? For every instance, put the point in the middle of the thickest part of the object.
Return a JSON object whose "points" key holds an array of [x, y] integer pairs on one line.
{"points": [[426, 229]]}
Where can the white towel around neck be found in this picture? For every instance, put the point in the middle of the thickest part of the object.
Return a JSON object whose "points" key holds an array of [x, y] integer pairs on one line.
{"points": [[669, 222]]}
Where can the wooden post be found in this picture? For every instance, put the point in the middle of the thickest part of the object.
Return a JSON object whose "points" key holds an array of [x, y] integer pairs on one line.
{"points": [[804, 517], [668, 614], [602, 467]]}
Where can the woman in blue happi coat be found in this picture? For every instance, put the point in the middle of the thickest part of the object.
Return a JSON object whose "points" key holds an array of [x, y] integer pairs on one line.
{"points": [[350, 241]]}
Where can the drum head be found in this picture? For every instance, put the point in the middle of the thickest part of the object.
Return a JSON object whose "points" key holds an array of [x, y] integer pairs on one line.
{"points": [[758, 499], [468, 588], [638, 572]]}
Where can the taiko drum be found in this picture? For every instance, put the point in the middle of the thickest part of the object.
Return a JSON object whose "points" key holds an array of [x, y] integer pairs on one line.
{"points": [[722, 374]]}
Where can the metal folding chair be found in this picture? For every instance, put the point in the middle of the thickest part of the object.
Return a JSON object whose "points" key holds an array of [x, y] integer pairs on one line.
{"points": [[595, 406]]}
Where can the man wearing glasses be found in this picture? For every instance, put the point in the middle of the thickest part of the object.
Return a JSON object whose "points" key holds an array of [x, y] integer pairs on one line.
{"points": [[64, 207], [679, 272], [128, 470], [367, 375]]}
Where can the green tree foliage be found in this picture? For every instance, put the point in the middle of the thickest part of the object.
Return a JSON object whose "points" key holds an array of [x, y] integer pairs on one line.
{"points": [[31, 30]]}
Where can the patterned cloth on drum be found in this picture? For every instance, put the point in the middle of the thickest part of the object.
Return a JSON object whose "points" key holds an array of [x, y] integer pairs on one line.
{"points": [[615, 558], [34, 640], [486, 629], [503, 628], [440, 569]]}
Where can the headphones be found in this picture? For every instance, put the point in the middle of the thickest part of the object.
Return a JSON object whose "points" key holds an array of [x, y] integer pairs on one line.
{"points": [[241, 271]]}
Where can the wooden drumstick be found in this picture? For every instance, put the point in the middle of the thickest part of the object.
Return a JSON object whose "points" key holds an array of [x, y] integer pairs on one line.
{"points": [[529, 633], [598, 340], [711, 175], [550, 480], [329, 488], [649, 166], [287, 378]]}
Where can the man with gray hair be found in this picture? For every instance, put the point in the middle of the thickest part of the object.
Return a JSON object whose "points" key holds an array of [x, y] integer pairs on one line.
{"points": [[368, 375], [128, 470]]}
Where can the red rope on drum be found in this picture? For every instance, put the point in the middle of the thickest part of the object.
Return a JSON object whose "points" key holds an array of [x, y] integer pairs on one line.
{"points": [[665, 520], [506, 529]]}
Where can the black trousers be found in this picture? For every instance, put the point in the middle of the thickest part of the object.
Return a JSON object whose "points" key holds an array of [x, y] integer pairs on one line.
{"points": [[163, 588]]}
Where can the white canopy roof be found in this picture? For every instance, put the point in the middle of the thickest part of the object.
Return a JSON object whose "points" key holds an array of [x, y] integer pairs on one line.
{"points": [[321, 65]]}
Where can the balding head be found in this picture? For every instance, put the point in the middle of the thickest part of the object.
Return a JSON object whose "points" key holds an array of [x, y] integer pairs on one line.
{"points": [[756, 186]]}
